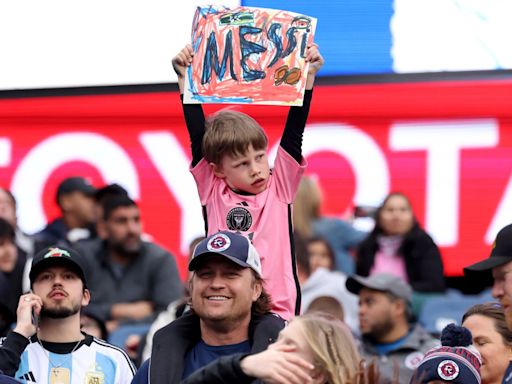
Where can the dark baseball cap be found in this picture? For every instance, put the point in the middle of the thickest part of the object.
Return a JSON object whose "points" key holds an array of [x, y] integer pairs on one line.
{"points": [[384, 282], [73, 184], [55, 255], [233, 246], [501, 252]]}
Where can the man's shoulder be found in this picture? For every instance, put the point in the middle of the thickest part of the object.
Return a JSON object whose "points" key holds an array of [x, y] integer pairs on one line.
{"points": [[55, 229], [90, 246], [507, 377], [187, 323], [420, 339], [269, 318], [154, 250]]}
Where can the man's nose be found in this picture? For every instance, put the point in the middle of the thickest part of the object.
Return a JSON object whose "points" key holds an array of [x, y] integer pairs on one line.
{"points": [[217, 281], [497, 289]]}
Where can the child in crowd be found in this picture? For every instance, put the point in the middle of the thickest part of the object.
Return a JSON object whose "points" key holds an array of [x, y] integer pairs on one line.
{"points": [[237, 189]]}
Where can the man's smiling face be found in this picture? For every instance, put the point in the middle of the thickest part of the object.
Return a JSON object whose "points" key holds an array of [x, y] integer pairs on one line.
{"points": [[223, 291]]}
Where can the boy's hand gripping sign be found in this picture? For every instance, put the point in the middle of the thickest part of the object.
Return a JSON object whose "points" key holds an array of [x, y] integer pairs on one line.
{"points": [[248, 55]]}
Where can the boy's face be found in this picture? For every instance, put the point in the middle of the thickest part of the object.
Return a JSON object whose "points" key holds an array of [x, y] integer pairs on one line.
{"points": [[248, 172]]}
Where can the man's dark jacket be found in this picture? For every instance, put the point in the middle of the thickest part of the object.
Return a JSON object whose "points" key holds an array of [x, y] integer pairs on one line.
{"points": [[171, 344]]}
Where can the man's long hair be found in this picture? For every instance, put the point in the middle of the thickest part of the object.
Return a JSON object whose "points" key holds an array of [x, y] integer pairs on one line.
{"points": [[264, 303]]}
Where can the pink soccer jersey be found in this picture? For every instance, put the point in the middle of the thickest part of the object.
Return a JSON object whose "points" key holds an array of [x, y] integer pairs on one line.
{"points": [[265, 218]]}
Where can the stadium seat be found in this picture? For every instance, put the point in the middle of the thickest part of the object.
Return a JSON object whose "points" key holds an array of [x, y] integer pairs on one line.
{"points": [[438, 312]]}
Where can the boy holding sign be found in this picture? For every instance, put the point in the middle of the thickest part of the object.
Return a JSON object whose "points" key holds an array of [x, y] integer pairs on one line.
{"points": [[238, 190]]}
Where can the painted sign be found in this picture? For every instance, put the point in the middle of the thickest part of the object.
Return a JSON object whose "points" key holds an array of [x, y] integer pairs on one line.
{"points": [[248, 55]]}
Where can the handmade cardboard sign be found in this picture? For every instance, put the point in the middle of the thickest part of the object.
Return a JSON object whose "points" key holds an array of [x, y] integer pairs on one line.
{"points": [[248, 55]]}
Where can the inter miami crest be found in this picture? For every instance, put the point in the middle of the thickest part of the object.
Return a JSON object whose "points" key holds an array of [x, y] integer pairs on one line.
{"points": [[239, 219]]}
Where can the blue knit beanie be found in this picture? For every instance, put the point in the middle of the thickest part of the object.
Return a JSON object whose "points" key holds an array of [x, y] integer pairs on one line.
{"points": [[456, 361]]}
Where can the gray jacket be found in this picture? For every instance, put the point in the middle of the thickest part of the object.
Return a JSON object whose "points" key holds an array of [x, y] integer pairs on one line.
{"points": [[152, 276], [405, 357]]}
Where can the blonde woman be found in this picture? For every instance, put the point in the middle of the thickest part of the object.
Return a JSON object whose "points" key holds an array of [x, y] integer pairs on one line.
{"points": [[313, 349]]}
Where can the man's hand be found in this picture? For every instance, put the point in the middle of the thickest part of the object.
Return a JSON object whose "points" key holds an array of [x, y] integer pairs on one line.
{"points": [[316, 61], [180, 62], [28, 304], [278, 365]]}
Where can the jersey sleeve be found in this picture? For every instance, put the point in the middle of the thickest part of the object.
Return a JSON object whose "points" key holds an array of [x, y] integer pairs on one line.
{"points": [[194, 119], [11, 349], [205, 180], [291, 141], [126, 369], [287, 174]]}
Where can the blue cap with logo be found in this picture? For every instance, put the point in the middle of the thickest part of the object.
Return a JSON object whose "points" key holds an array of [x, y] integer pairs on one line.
{"points": [[233, 246]]}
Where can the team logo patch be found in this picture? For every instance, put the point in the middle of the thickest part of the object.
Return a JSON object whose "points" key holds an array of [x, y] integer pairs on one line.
{"points": [[413, 359], [239, 219], [448, 370], [218, 243], [56, 252], [94, 378]]}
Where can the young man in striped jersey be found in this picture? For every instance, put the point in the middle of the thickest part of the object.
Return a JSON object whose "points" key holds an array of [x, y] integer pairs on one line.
{"points": [[47, 346]]}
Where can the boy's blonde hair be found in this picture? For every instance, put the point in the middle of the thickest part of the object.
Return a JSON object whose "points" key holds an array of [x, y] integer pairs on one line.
{"points": [[230, 133], [333, 347]]}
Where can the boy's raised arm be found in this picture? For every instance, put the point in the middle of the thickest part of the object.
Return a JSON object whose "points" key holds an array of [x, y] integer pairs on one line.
{"points": [[193, 113], [291, 141]]}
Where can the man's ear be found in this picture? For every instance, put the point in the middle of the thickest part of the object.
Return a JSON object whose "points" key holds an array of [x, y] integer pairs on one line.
{"points": [[258, 288], [65, 202], [400, 307], [217, 170], [86, 297]]}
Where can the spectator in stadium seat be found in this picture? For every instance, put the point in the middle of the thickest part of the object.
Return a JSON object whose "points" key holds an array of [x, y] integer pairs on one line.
{"points": [[230, 312], [12, 266], [492, 338], [386, 324], [47, 345], [317, 280], [498, 266], [397, 245], [8, 206], [75, 198], [131, 280], [341, 236], [102, 195]]}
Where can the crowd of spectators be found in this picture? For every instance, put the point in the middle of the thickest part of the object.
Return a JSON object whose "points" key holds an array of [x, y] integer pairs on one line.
{"points": [[135, 295], [90, 298]]}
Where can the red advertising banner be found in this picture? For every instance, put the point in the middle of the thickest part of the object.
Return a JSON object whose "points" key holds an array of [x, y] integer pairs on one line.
{"points": [[447, 145]]}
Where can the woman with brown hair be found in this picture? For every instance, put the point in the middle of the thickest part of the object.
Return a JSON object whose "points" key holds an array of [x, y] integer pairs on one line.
{"points": [[492, 338], [398, 245]]}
